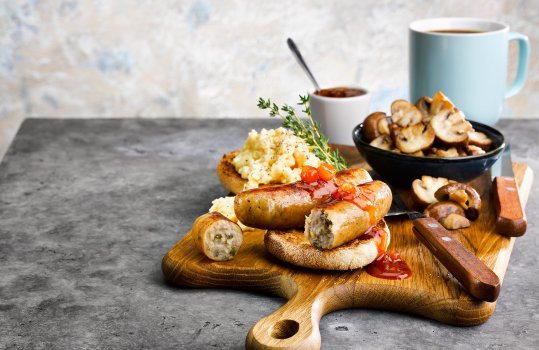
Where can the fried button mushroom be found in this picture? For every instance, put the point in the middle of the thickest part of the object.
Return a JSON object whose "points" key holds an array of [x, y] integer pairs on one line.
{"points": [[383, 142], [439, 103], [479, 139], [383, 126], [464, 195], [423, 190], [474, 150], [455, 221], [423, 105], [447, 153], [374, 126], [414, 138], [449, 214], [451, 128], [404, 114], [441, 210]]}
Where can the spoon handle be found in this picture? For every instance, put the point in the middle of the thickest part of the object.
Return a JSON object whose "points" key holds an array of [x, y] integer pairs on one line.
{"points": [[301, 62]]}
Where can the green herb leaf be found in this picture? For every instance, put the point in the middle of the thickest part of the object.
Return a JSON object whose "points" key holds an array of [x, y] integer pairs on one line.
{"points": [[308, 131]]}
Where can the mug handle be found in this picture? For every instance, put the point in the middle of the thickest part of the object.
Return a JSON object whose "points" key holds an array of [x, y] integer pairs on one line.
{"points": [[522, 69]]}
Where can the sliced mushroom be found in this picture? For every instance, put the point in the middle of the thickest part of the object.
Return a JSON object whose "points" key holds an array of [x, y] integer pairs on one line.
{"points": [[371, 124], [439, 103], [441, 210], [447, 153], [404, 114], [450, 127], [455, 221], [383, 142], [464, 195], [462, 152], [423, 189], [383, 126], [423, 105], [414, 138], [479, 139], [474, 150]]}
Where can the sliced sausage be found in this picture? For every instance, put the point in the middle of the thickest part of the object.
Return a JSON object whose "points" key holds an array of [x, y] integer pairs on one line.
{"points": [[216, 236], [335, 223]]}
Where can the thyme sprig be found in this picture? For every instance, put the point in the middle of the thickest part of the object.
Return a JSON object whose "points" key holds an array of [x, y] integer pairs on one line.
{"points": [[308, 131]]}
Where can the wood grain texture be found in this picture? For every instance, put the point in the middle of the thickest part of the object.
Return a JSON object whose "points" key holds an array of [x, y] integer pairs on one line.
{"points": [[431, 291]]}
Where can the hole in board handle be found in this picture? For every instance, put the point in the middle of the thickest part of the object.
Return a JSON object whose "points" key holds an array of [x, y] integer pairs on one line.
{"points": [[284, 329]]}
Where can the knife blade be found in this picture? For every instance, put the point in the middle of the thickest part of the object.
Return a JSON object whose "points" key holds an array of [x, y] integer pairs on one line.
{"points": [[476, 277], [510, 218]]}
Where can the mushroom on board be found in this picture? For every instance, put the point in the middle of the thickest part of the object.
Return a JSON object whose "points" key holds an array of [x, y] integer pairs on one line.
{"points": [[423, 189], [455, 221], [449, 214], [464, 195]]}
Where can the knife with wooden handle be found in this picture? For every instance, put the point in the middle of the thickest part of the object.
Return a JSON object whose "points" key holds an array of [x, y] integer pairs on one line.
{"points": [[510, 217], [472, 273]]}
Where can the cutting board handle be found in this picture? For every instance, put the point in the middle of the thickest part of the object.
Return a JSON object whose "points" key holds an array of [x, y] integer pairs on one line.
{"points": [[293, 326]]}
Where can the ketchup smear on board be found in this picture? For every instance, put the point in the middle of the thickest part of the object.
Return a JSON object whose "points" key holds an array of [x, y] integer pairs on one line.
{"points": [[389, 266]]}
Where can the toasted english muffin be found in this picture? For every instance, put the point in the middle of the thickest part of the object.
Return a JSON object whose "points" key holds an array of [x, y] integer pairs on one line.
{"points": [[227, 174], [294, 248]]}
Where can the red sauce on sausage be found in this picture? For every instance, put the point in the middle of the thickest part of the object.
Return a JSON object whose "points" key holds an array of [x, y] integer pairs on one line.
{"points": [[363, 196], [320, 189], [389, 266]]}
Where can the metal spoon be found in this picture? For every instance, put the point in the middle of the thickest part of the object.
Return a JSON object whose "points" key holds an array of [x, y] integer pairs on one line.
{"points": [[301, 62]]}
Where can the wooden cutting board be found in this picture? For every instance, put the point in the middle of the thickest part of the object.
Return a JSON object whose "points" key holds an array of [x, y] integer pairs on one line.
{"points": [[431, 291]]}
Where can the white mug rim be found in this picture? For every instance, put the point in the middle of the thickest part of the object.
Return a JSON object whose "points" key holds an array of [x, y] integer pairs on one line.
{"points": [[427, 25], [367, 93]]}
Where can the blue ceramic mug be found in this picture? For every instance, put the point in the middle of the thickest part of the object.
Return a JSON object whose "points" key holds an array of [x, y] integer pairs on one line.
{"points": [[466, 59]]}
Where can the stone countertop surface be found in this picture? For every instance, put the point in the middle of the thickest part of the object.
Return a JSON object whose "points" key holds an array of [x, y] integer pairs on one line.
{"points": [[88, 208]]}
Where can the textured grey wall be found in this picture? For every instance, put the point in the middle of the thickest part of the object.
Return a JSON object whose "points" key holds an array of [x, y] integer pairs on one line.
{"points": [[204, 58]]}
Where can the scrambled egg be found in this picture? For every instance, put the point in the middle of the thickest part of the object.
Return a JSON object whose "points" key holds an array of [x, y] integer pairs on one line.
{"points": [[270, 157], [273, 156], [225, 206]]}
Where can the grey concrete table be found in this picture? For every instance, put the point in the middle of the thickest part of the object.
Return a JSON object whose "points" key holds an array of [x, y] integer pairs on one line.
{"points": [[89, 207]]}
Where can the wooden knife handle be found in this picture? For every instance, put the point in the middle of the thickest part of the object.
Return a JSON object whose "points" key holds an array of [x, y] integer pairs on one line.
{"points": [[476, 278], [296, 325], [510, 218]]}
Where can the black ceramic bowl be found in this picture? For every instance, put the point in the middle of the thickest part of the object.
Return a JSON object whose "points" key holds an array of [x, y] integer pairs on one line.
{"points": [[401, 169]]}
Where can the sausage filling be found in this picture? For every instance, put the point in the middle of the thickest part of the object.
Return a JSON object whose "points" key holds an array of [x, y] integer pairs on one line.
{"points": [[319, 227], [222, 241]]}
